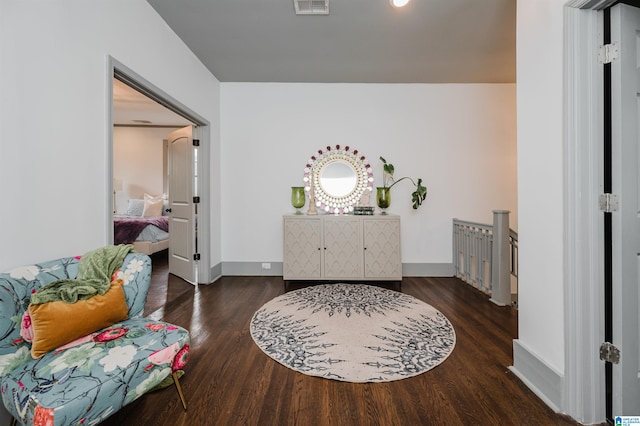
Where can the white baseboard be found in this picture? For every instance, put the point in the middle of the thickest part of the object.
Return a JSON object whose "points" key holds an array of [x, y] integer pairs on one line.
{"points": [[427, 269], [215, 273], [251, 269], [255, 269], [542, 379]]}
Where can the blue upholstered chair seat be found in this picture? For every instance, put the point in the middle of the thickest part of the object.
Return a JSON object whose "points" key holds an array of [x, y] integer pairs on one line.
{"points": [[94, 378], [89, 379]]}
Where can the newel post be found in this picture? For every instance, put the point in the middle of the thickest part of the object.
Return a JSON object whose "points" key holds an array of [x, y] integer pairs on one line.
{"points": [[500, 262]]}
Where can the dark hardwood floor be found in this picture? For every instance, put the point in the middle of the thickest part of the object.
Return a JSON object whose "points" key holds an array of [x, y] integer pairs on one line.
{"points": [[229, 381]]}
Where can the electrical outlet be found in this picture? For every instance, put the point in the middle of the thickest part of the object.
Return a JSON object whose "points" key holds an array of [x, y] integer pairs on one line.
{"points": [[266, 265]]}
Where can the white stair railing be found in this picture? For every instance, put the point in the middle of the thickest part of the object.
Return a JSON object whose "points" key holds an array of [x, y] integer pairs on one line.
{"points": [[486, 256]]}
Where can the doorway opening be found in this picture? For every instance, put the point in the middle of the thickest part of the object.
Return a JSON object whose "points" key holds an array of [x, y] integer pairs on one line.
{"points": [[142, 117]]}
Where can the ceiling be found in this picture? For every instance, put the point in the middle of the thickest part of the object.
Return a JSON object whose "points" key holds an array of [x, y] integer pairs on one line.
{"points": [[132, 108], [360, 41]]}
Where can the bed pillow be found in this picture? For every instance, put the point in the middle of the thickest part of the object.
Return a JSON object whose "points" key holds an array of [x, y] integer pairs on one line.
{"points": [[79, 319], [153, 198], [135, 207], [152, 208]]}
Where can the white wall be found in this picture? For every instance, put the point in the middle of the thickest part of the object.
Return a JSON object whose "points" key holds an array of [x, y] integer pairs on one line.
{"points": [[540, 181], [53, 116], [138, 162], [459, 138]]}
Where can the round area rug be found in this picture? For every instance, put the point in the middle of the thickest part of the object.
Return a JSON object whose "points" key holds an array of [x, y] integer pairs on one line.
{"points": [[353, 333]]}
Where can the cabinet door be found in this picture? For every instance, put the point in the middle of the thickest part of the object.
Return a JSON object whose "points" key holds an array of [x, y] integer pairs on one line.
{"points": [[302, 243], [343, 248], [382, 249]]}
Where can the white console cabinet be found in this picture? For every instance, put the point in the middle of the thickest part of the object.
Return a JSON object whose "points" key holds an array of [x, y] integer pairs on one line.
{"points": [[342, 247]]}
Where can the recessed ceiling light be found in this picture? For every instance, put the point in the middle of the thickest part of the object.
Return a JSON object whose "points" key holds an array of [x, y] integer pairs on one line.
{"points": [[399, 3], [141, 121]]}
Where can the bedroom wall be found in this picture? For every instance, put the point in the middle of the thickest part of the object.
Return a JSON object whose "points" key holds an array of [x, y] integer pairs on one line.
{"points": [[138, 162], [54, 81], [461, 139]]}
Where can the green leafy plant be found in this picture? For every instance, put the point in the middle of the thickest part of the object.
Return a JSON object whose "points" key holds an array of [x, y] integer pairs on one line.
{"points": [[417, 196]]}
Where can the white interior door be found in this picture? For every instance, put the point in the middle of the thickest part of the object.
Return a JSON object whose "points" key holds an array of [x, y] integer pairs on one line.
{"points": [[625, 110], [182, 214]]}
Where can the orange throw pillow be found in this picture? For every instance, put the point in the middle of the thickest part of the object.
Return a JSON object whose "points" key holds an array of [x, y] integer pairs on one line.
{"points": [[57, 323]]}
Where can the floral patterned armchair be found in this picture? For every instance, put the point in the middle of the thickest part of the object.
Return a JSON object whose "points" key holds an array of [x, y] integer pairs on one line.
{"points": [[88, 379]]}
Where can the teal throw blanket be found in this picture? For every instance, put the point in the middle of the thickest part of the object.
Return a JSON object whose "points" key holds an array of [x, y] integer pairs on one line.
{"points": [[94, 277]]}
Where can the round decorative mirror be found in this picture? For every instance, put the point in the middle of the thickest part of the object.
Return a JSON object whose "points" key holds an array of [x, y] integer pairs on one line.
{"points": [[336, 178]]}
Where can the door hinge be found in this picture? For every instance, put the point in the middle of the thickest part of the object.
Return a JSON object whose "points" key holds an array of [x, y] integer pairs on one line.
{"points": [[608, 53], [196, 200], [196, 256], [196, 142], [608, 203], [609, 353]]}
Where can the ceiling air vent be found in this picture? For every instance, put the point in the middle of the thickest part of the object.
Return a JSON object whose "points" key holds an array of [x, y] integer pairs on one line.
{"points": [[311, 7]]}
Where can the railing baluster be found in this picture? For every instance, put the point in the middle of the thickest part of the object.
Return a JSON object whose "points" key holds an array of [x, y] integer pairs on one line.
{"points": [[485, 256]]}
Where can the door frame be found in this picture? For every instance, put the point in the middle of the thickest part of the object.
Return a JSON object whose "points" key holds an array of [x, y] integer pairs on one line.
{"points": [[116, 69], [584, 379]]}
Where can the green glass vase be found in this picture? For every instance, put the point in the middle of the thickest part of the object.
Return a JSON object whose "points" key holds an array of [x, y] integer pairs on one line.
{"points": [[297, 198], [383, 198]]}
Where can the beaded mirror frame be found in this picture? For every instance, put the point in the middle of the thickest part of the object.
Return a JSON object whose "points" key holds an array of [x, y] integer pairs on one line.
{"points": [[336, 178]]}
